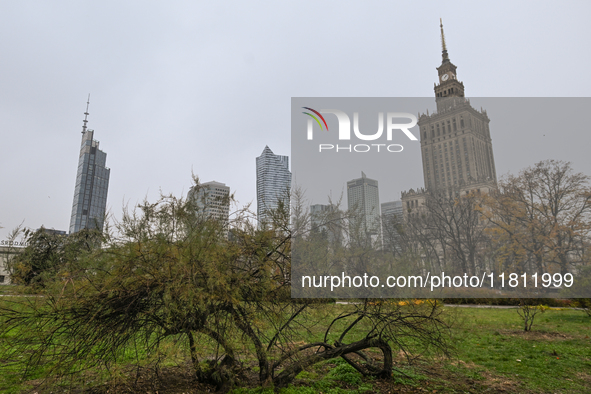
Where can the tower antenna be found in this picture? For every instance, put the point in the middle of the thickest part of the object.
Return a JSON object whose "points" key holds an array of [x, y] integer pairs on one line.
{"points": [[443, 46], [86, 115]]}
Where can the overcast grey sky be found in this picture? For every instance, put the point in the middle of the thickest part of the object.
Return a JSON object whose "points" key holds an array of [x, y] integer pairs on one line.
{"points": [[204, 86]]}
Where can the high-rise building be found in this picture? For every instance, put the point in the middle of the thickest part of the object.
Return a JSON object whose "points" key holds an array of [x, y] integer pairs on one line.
{"points": [[363, 199], [318, 213], [456, 146], [273, 183], [392, 219], [392, 209], [327, 219], [212, 200], [92, 183]]}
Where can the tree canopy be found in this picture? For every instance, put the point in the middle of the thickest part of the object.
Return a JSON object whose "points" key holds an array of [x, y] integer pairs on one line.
{"points": [[220, 290]]}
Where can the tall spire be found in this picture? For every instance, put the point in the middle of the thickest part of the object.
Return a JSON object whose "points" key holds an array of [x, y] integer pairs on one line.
{"points": [[86, 115], [445, 58]]}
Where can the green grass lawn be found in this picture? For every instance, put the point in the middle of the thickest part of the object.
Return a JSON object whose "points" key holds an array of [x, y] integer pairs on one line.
{"points": [[554, 357], [493, 354], [7, 289]]}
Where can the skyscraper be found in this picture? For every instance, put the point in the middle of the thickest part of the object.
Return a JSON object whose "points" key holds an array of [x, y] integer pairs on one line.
{"points": [[318, 214], [273, 183], [363, 198], [212, 200], [92, 183], [392, 219], [456, 146], [327, 220], [392, 209]]}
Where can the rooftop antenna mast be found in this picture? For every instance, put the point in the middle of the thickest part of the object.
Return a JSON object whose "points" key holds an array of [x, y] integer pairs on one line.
{"points": [[86, 115]]}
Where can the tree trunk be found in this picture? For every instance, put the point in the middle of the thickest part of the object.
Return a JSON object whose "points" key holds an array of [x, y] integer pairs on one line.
{"points": [[291, 371]]}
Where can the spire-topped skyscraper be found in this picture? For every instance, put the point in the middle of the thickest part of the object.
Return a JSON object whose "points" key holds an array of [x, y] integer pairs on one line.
{"points": [[449, 86], [92, 183], [455, 141]]}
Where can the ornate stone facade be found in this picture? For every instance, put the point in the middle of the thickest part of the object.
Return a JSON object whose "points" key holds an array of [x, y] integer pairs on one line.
{"points": [[456, 146]]}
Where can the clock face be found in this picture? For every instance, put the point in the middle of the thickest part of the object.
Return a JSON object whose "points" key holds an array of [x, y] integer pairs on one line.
{"points": [[444, 77]]}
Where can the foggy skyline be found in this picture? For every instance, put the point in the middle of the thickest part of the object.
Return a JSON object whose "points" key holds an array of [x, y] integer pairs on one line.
{"points": [[190, 87]]}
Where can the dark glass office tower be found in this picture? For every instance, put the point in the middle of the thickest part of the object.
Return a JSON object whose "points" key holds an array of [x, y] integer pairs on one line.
{"points": [[92, 184]]}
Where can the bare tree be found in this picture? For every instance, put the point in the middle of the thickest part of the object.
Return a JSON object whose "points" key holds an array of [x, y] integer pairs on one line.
{"points": [[543, 217], [449, 231], [527, 310]]}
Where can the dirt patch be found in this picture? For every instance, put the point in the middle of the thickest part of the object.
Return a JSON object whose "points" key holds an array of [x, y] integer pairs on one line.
{"points": [[167, 380], [170, 380], [584, 377], [437, 378], [537, 335], [444, 380]]}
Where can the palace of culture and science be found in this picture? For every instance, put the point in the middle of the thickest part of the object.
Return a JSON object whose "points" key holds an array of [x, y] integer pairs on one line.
{"points": [[456, 146]]}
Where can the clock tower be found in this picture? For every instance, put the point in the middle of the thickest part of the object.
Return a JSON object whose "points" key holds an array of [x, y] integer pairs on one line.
{"points": [[448, 86], [456, 144]]}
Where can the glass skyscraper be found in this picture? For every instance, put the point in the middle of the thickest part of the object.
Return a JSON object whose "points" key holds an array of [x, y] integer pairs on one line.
{"points": [[392, 220], [92, 184], [273, 183], [363, 199]]}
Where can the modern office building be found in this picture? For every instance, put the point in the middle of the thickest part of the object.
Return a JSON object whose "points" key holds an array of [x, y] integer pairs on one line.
{"points": [[318, 213], [212, 200], [273, 183], [52, 231], [92, 183], [392, 219], [363, 200], [327, 219], [392, 209]]}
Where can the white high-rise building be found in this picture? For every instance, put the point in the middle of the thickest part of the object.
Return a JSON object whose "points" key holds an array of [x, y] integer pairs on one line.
{"points": [[363, 198], [273, 183], [212, 200]]}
